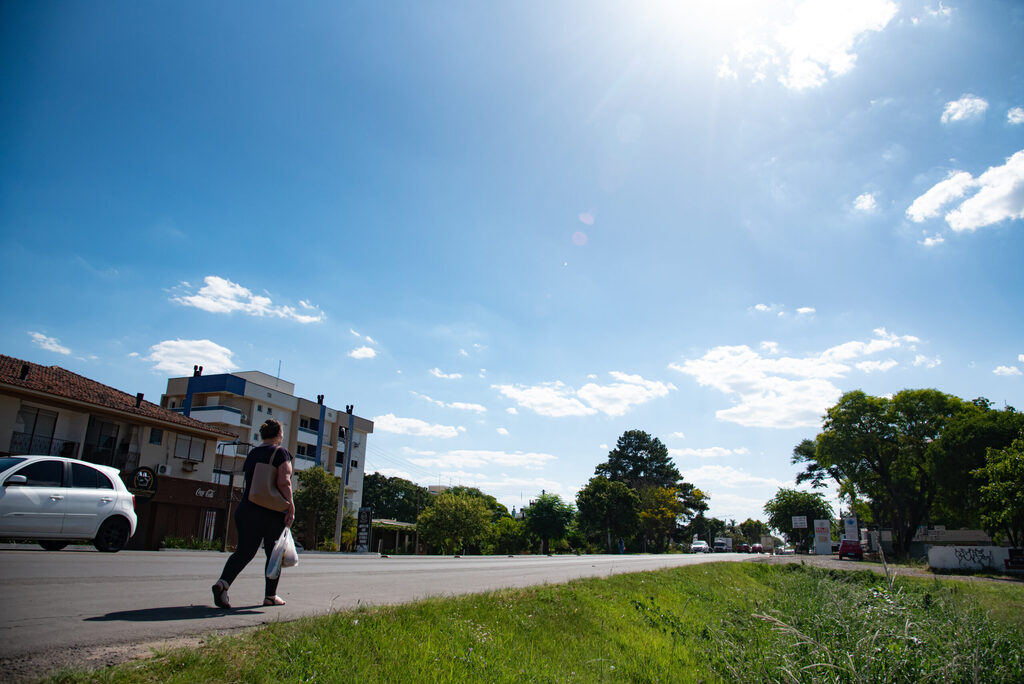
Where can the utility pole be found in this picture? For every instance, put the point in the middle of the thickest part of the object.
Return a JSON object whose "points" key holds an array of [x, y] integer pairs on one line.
{"points": [[344, 480]]}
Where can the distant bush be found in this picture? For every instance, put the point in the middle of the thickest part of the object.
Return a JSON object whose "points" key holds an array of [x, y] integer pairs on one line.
{"points": [[192, 543]]}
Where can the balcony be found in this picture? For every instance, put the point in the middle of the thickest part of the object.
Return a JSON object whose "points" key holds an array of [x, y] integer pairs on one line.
{"points": [[306, 436], [225, 415], [23, 443]]}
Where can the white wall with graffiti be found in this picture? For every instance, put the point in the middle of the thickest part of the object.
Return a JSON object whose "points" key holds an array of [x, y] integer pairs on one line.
{"points": [[995, 558]]}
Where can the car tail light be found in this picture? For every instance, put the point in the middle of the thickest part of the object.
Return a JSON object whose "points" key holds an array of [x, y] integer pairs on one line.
{"points": [[133, 502]]}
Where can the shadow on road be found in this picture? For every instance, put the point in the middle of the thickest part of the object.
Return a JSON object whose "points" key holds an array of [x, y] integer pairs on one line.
{"points": [[171, 613]]}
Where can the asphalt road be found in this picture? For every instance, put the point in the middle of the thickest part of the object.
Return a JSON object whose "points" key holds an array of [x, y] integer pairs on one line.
{"points": [[81, 607]]}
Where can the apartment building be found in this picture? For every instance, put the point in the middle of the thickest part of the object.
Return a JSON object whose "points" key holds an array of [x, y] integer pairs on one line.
{"points": [[238, 403], [166, 459]]}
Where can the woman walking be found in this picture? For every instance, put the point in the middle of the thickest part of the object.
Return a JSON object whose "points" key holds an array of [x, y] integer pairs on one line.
{"points": [[256, 524]]}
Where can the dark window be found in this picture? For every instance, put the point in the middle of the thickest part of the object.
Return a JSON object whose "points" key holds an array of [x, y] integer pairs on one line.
{"points": [[259, 408], [172, 403], [44, 474], [304, 423], [189, 448], [84, 476], [8, 462], [156, 436], [269, 412], [354, 464]]}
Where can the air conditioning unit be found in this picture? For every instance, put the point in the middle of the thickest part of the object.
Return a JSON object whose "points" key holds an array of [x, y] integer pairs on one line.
{"points": [[163, 469], [188, 466]]}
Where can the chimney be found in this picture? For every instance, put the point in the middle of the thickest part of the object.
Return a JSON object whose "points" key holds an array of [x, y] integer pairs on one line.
{"points": [[24, 370], [138, 400]]}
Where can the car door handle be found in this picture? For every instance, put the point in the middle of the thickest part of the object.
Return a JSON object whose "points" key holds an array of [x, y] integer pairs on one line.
{"points": [[56, 497], [106, 499]]}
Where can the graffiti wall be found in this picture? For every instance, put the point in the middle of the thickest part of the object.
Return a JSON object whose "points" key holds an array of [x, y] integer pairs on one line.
{"points": [[992, 558]]}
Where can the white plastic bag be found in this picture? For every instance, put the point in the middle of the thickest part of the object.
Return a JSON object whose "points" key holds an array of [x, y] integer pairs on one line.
{"points": [[291, 555], [278, 554]]}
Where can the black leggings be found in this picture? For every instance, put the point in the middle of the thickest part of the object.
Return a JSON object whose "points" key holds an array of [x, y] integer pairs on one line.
{"points": [[255, 525]]}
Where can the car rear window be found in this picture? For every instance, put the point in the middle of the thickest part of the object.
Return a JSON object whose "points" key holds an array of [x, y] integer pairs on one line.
{"points": [[86, 476]]}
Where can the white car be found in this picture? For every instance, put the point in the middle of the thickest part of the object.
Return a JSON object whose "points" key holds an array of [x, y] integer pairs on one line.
{"points": [[55, 501], [700, 546]]}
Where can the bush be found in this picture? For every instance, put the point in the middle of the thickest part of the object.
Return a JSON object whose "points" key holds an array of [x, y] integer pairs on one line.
{"points": [[191, 543]]}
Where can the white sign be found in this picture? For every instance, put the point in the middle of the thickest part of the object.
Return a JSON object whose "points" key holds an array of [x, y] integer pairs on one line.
{"points": [[850, 530], [823, 537], [799, 522]]}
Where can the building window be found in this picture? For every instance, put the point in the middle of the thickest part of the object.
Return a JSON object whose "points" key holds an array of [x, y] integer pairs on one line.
{"points": [[354, 464], [307, 451], [269, 412], [190, 448], [221, 477], [259, 408], [172, 403], [156, 436], [33, 430]]}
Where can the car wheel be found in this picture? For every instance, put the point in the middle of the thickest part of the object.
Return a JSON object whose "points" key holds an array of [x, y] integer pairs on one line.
{"points": [[113, 535], [50, 545]]}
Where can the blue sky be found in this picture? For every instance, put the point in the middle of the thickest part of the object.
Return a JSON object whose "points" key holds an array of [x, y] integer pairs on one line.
{"points": [[508, 232]]}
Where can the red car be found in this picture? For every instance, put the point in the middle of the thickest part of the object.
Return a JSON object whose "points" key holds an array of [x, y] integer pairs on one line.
{"points": [[756, 548], [743, 548], [850, 548]]}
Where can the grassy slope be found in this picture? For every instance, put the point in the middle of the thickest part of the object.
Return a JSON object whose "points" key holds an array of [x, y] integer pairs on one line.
{"points": [[698, 623]]}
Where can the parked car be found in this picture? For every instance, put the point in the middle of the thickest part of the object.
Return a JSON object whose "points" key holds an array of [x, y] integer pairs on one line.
{"points": [[55, 501], [700, 546], [850, 548], [756, 548], [743, 547], [785, 551]]}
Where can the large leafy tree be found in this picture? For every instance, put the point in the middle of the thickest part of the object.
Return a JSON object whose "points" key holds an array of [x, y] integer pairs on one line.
{"points": [[498, 510], [788, 503], [1002, 493], [660, 510], [966, 439], [752, 530], [887, 450], [453, 521], [509, 535], [607, 508], [316, 506], [640, 460], [394, 497], [548, 517]]}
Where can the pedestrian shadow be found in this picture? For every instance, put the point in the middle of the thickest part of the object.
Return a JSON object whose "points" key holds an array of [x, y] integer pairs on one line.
{"points": [[172, 613]]}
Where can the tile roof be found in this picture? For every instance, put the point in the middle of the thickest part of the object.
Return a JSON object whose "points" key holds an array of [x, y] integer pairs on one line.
{"points": [[58, 382]]}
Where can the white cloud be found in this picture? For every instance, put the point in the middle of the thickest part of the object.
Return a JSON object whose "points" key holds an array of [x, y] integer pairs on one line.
{"points": [[415, 427], [865, 202], [808, 45], [553, 399], [438, 373], [999, 196], [503, 432], [678, 435], [177, 357], [219, 295], [48, 343], [393, 472], [556, 399], [922, 360], [1021, 358], [709, 452], [1015, 116], [931, 202], [967, 107], [1007, 371], [710, 477], [805, 310], [460, 405], [470, 458], [630, 390], [770, 347], [879, 366], [463, 352], [763, 308], [363, 353], [931, 240], [783, 392], [511, 410]]}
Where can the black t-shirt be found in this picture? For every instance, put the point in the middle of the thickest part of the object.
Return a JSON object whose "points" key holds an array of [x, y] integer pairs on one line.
{"points": [[262, 454]]}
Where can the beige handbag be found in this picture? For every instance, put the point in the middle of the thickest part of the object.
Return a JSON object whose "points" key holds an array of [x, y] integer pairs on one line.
{"points": [[263, 489]]}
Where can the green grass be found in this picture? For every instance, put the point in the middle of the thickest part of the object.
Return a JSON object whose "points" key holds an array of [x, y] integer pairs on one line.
{"points": [[715, 622]]}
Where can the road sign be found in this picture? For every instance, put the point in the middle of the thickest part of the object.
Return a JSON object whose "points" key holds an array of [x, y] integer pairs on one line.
{"points": [[799, 522]]}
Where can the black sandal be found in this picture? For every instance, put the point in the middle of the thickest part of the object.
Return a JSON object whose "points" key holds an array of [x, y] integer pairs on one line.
{"points": [[220, 595]]}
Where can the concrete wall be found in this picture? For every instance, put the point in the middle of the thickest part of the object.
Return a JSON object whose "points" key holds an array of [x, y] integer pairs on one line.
{"points": [[969, 558]]}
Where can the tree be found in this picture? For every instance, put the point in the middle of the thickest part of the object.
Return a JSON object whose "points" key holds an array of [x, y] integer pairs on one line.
{"points": [[1002, 492], [394, 497], [454, 520], [640, 461], [498, 510], [509, 535], [548, 517], [788, 503], [660, 510], [752, 530], [607, 508], [965, 441], [316, 505], [886, 449]]}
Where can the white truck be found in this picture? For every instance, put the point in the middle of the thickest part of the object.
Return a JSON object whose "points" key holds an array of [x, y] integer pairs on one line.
{"points": [[723, 544]]}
